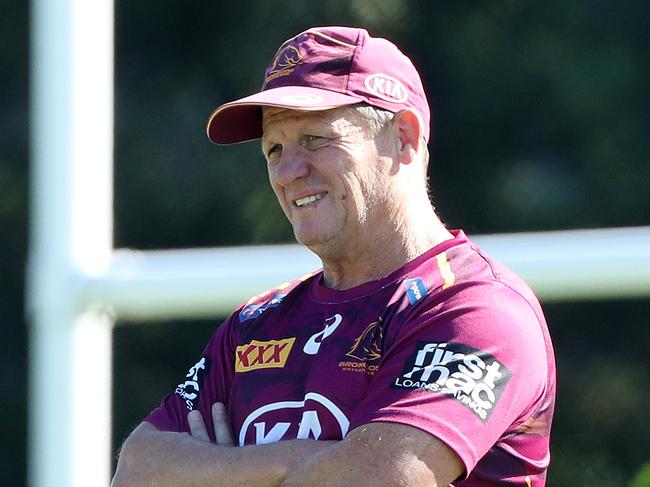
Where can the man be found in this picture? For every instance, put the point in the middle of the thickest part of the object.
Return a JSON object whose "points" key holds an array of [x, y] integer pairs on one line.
{"points": [[411, 358]]}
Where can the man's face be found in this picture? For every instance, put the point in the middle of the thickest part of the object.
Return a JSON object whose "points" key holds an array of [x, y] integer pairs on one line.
{"points": [[329, 175]]}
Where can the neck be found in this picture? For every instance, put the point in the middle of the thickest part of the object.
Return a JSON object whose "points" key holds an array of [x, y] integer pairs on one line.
{"points": [[380, 249]]}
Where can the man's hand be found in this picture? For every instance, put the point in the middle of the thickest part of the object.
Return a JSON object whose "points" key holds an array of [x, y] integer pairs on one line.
{"points": [[220, 422], [415, 456], [164, 458]]}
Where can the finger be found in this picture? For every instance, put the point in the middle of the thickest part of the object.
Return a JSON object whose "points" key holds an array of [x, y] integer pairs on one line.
{"points": [[197, 426], [221, 425]]}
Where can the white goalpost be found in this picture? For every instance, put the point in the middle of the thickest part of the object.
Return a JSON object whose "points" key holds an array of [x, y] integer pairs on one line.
{"points": [[78, 284]]}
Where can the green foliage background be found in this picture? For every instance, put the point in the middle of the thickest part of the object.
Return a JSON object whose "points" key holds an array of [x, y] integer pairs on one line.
{"points": [[540, 121]]}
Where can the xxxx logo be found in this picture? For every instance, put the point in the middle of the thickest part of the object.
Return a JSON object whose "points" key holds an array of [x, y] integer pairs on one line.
{"points": [[263, 355]]}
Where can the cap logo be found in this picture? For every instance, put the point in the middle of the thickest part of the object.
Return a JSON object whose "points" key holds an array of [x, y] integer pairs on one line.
{"points": [[386, 87], [283, 63]]}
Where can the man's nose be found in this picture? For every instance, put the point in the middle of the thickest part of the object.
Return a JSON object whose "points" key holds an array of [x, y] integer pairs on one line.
{"points": [[293, 165]]}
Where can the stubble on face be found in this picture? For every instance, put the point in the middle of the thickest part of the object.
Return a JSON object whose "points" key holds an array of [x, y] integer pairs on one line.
{"points": [[345, 165]]}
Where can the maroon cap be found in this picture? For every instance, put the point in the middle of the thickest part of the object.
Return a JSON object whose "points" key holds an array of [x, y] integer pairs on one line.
{"points": [[320, 69]]}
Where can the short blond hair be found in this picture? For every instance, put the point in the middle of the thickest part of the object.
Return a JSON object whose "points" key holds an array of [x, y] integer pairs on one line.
{"points": [[379, 119]]}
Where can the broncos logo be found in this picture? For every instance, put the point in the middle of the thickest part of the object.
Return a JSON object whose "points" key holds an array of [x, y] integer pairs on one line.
{"points": [[367, 347], [287, 58]]}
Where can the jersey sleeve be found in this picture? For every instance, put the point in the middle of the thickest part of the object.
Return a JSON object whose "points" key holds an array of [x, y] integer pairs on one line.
{"points": [[466, 370], [206, 382]]}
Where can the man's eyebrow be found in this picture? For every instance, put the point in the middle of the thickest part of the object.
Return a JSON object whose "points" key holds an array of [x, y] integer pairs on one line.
{"points": [[265, 143]]}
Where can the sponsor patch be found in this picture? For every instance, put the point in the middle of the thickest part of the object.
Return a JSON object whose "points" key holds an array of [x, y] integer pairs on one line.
{"points": [[470, 376], [190, 389], [365, 353], [253, 311], [263, 355], [415, 289], [386, 87], [309, 418]]}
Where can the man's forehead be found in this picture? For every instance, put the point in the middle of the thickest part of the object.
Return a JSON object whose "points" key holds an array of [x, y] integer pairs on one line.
{"points": [[272, 116]]}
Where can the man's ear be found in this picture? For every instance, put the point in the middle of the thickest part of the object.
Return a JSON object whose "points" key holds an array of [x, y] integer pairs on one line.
{"points": [[409, 124]]}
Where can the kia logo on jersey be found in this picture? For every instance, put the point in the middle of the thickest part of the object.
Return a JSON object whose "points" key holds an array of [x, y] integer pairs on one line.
{"points": [[311, 418]]}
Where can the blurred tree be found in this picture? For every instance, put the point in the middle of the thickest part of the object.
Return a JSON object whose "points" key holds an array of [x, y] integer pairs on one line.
{"points": [[540, 121], [13, 237], [642, 478]]}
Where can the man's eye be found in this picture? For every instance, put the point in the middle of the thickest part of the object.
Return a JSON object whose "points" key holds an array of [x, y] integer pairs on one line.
{"points": [[312, 140], [274, 148]]}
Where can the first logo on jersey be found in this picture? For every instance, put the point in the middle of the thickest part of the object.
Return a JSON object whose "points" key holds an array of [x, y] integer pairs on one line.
{"points": [[472, 377]]}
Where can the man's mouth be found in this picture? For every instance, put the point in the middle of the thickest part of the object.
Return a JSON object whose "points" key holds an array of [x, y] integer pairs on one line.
{"points": [[308, 200]]}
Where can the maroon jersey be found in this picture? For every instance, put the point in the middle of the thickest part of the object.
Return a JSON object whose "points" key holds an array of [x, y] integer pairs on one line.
{"points": [[452, 343]]}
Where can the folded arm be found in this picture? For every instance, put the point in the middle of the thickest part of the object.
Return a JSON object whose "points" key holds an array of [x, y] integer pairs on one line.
{"points": [[381, 455], [378, 454], [161, 458]]}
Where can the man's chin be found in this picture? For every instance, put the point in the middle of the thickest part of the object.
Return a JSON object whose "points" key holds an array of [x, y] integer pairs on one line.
{"points": [[312, 239], [307, 240]]}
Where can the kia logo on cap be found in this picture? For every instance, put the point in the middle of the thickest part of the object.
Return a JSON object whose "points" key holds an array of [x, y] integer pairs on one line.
{"points": [[386, 87]]}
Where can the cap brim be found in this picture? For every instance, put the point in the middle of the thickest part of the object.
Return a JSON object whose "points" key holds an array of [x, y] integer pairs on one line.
{"points": [[241, 120]]}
